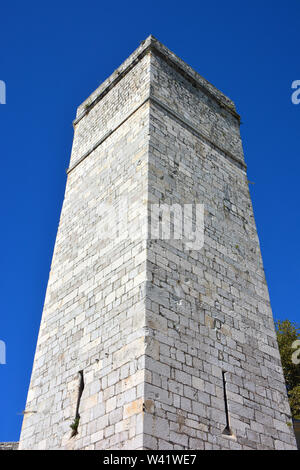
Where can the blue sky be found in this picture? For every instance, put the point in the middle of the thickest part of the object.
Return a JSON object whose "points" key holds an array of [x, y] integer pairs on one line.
{"points": [[54, 54]]}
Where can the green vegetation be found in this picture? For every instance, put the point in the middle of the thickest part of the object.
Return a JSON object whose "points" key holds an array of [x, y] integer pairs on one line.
{"points": [[74, 426], [287, 333]]}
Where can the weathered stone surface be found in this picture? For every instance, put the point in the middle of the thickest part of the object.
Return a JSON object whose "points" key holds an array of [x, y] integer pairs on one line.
{"points": [[154, 324], [9, 445]]}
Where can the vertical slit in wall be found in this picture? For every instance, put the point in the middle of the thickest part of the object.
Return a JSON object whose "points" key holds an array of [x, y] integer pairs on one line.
{"points": [[75, 424], [227, 431]]}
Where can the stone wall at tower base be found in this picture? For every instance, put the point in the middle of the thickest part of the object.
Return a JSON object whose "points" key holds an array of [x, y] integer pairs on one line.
{"points": [[9, 445]]}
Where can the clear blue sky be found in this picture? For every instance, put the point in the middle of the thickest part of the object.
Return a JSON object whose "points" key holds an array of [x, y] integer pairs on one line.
{"points": [[54, 54]]}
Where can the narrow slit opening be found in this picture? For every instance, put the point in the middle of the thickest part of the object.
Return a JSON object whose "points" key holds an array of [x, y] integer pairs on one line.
{"points": [[227, 430], [75, 424]]}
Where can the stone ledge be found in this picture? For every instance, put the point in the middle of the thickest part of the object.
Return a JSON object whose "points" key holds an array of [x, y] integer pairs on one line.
{"points": [[175, 115]]}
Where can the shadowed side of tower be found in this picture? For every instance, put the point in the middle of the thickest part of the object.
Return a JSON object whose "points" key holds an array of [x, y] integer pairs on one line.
{"points": [[151, 340]]}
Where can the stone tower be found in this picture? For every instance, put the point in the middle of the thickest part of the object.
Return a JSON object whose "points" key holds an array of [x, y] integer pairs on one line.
{"points": [[149, 339]]}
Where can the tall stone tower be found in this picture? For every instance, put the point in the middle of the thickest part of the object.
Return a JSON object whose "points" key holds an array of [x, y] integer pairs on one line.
{"points": [[149, 339]]}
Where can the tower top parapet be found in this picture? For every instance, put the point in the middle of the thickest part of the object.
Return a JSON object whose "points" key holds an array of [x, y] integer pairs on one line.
{"points": [[151, 44]]}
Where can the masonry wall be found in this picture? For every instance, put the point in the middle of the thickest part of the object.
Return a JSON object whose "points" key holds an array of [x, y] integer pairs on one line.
{"points": [[94, 310], [147, 327], [208, 310], [9, 445]]}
